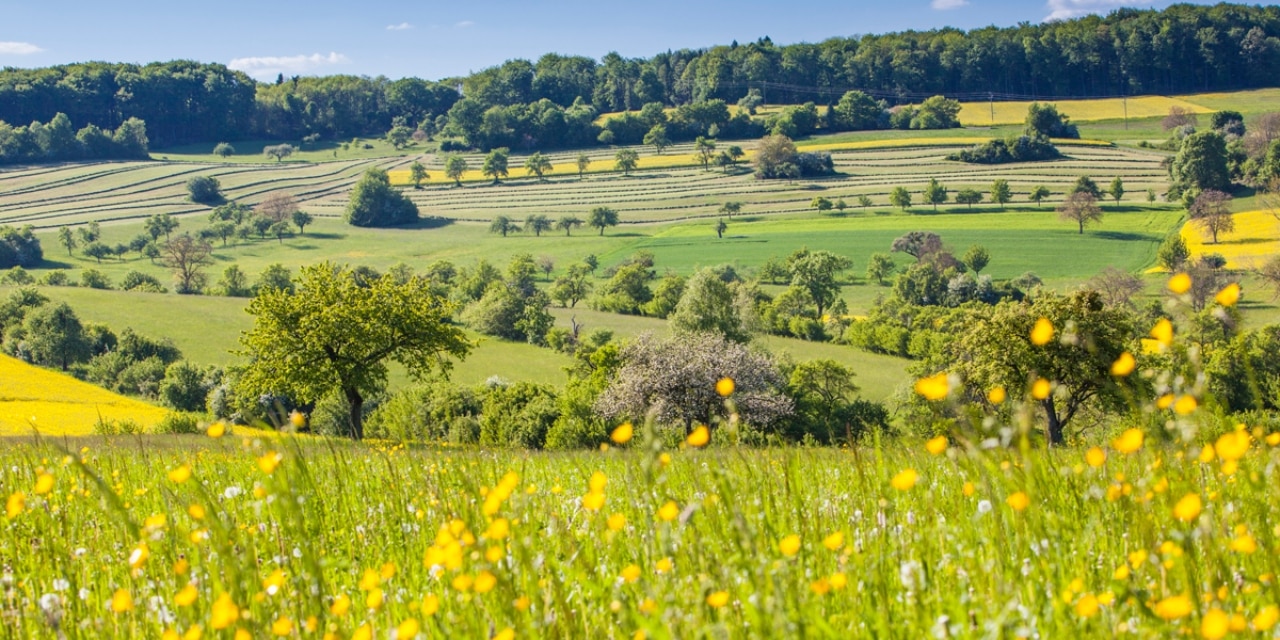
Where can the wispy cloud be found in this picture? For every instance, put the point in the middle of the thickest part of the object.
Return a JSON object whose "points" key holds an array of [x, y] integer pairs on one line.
{"points": [[403, 26], [464, 24], [943, 5], [1068, 9], [18, 48], [269, 66]]}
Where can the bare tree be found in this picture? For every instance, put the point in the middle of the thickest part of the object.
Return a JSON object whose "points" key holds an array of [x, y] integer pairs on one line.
{"points": [[1211, 211], [1270, 273], [1261, 133], [187, 257], [1178, 117], [1081, 208], [278, 206], [1116, 286]]}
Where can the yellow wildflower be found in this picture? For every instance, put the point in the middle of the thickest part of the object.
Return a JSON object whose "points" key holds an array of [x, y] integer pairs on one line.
{"points": [[341, 605], [430, 604], [725, 387], [121, 601], [485, 582], [936, 445], [15, 505], [996, 396], [1096, 457], [718, 599], [935, 387], [1185, 405], [1163, 332], [44, 484], [1124, 365], [282, 627], [216, 430], [622, 434], [1129, 441], [700, 437], [1266, 618], [834, 542], [1188, 508], [180, 474], [408, 629], [789, 545], [1041, 389], [1233, 445], [225, 612], [616, 522], [669, 511], [905, 480], [186, 596], [664, 566], [631, 573], [269, 461], [506, 634], [1215, 624], [1180, 283], [1018, 501], [1229, 295], [1042, 333], [1087, 606], [1174, 607]]}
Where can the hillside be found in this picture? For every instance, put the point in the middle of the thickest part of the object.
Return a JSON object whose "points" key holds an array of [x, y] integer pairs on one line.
{"points": [[33, 399]]}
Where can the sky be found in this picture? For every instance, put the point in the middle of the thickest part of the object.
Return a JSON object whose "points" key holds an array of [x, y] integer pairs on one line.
{"points": [[433, 40]]}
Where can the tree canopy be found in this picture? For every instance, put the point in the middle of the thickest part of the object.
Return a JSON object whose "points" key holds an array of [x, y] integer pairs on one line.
{"points": [[375, 203]]}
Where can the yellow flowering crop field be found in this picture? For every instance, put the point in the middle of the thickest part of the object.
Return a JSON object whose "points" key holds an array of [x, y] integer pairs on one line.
{"points": [[979, 114], [57, 404], [1255, 239]]}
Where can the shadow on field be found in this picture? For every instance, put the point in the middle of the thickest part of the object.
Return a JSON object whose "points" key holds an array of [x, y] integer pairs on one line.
{"points": [[327, 236], [55, 264], [430, 222], [1122, 235], [627, 234], [1124, 208]]}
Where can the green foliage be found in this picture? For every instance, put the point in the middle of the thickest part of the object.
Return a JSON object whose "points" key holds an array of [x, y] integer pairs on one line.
{"points": [[708, 305], [602, 217], [1044, 120], [204, 190], [1000, 192], [1201, 163], [976, 258], [185, 387], [1017, 149], [900, 198], [1173, 252], [626, 160], [517, 415], [334, 335], [495, 164], [666, 296], [626, 292], [53, 336], [968, 197], [424, 412], [179, 423], [375, 203]]}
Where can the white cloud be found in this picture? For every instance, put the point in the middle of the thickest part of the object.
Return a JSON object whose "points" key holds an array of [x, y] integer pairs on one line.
{"points": [[266, 67], [464, 24], [18, 48], [403, 26], [943, 5], [1068, 9]]}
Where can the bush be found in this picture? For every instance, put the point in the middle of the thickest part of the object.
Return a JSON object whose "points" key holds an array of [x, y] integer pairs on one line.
{"points": [[179, 423], [1020, 149], [19, 248], [55, 278], [450, 144], [224, 150], [94, 279], [17, 276], [518, 415], [138, 281], [204, 190], [464, 430], [125, 427], [184, 387], [425, 412], [375, 203]]}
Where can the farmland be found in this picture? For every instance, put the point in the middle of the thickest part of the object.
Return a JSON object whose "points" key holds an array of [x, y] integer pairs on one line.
{"points": [[35, 399]]}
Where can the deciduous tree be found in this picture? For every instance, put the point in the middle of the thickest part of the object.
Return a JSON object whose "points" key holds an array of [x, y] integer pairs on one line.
{"points": [[602, 217], [1211, 211], [186, 257], [1080, 208]]}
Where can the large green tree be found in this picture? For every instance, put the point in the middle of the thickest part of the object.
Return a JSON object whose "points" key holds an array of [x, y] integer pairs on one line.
{"points": [[495, 164], [1201, 163], [334, 334], [375, 203], [53, 335]]}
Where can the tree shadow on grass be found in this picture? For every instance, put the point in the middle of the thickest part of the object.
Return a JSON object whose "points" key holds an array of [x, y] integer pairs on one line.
{"points": [[54, 264], [625, 234], [326, 236], [1127, 236]]}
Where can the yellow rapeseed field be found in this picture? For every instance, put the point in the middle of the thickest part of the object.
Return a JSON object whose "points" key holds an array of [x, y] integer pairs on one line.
{"points": [[58, 404], [980, 113], [1256, 238]]}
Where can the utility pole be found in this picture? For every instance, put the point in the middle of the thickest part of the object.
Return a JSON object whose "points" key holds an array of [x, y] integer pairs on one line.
{"points": [[992, 99], [1126, 111]]}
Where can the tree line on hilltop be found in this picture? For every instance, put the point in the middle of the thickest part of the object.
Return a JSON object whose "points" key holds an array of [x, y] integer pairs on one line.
{"points": [[550, 102]]}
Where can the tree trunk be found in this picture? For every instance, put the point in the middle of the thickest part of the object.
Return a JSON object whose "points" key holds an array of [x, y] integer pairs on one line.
{"points": [[356, 403], [1053, 431], [1082, 227]]}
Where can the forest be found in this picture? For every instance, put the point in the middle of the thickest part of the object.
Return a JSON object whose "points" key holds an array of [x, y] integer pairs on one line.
{"points": [[1184, 48]]}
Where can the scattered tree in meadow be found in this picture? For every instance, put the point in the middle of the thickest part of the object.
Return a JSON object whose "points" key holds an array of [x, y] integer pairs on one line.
{"points": [[880, 267], [1211, 211], [567, 224], [776, 157], [900, 198], [97, 251], [301, 219], [224, 150], [1201, 163], [67, 239], [334, 334], [707, 305], [1001, 193], [674, 381], [935, 193], [657, 138], [278, 151], [1085, 184], [398, 136], [1179, 117], [822, 204], [278, 206], [1080, 208], [995, 351], [233, 283], [602, 217], [921, 245], [864, 201], [818, 273], [584, 163], [1117, 287], [626, 160], [418, 173], [54, 336], [375, 203], [504, 225], [454, 167], [495, 164], [1039, 194], [538, 164], [546, 264], [187, 257], [161, 224], [968, 197], [1116, 191], [721, 227], [572, 287], [731, 208], [281, 230], [537, 223], [706, 150], [976, 258]]}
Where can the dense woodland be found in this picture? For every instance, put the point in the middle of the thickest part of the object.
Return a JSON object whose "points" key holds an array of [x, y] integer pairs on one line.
{"points": [[1183, 48]]}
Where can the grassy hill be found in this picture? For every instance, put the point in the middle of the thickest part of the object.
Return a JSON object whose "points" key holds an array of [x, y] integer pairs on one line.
{"points": [[54, 404]]}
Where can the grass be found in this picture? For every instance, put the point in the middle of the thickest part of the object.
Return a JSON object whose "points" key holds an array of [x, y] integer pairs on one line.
{"points": [[32, 398], [141, 537]]}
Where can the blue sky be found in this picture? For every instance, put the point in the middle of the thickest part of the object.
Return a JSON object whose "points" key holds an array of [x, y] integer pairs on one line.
{"points": [[438, 39]]}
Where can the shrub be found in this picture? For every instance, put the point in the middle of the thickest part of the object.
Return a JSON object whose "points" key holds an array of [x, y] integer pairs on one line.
{"points": [[204, 190], [179, 423], [94, 279], [375, 203], [517, 415], [138, 281], [1020, 149], [19, 248], [184, 387], [123, 427], [55, 278], [425, 412]]}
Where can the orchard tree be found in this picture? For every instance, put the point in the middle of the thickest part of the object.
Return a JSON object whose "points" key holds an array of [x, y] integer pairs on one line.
{"points": [[626, 160], [567, 224], [879, 267], [335, 334], [454, 167], [995, 351], [418, 173], [537, 223], [1080, 208], [67, 239], [278, 206], [935, 194], [968, 197], [504, 225], [820, 203], [54, 336], [731, 208], [1039, 194], [204, 190], [279, 151], [572, 287], [538, 164], [224, 150], [161, 224], [1001, 193], [818, 273], [602, 217], [584, 163], [674, 381], [1201, 163], [186, 257], [97, 251], [495, 164], [1211, 211], [657, 138], [1116, 191], [864, 200], [707, 305], [721, 227], [1085, 184], [301, 219], [706, 149], [900, 198], [977, 258]]}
